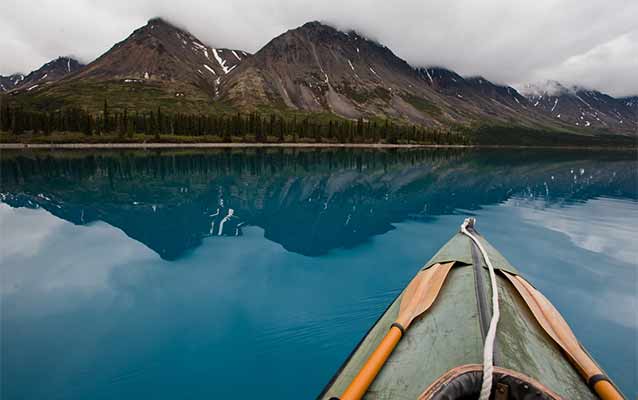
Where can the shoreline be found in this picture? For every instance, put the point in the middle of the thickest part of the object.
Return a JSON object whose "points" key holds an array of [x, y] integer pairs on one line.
{"points": [[209, 145], [28, 146]]}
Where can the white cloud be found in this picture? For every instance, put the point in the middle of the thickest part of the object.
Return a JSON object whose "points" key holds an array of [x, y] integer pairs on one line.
{"points": [[17, 233], [36, 253], [614, 235], [505, 41], [604, 67]]}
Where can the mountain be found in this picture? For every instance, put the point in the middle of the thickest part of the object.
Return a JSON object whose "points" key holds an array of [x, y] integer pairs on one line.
{"points": [[50, 72], [582, 107], [318, 70], [452, 84], [158, 64], [483, 99], [10, 82], [160, 51]]}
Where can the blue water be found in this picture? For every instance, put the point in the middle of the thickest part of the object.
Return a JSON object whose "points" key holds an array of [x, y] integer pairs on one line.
{"points": [[117, 281]]}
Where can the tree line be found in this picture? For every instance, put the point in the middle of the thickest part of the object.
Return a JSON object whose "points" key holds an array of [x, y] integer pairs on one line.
{"points": [[199, 165], [239, 127]]}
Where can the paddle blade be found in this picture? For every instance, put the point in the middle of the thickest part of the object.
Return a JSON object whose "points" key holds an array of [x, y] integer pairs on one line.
{"points": [[556, 327], [421, 292], [417, 298]]}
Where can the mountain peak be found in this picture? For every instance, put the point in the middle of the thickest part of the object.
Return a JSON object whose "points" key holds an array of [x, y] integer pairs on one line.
{"points": [[156, 25], [318, 31], [319, 26], [314, 24], [52, 71], [161, 54], [330, 31], [159, 21], [546, 88], [67, 62], [156, 20]]}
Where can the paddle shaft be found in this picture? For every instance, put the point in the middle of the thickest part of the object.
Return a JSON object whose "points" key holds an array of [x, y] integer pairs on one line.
{"points": [[373, 365], [607, 391]]}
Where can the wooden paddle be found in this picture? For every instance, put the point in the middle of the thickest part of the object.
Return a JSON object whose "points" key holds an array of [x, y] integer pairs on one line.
{"points": [[553, 323], [417, 298]]}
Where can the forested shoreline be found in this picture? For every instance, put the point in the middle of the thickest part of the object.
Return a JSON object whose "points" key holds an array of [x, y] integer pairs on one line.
{"points": [[238, 127]]}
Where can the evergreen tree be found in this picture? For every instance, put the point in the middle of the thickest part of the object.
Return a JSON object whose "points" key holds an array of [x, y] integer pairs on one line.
{"points": [[281, 131], [87, 125], [106, 116]]}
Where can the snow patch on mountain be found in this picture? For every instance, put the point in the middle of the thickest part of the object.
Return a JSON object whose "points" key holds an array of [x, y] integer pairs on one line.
{"points": [[221, 61]]}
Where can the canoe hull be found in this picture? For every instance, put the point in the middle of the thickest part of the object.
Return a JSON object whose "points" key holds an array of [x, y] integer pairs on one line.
{"points": [[451, 333]]}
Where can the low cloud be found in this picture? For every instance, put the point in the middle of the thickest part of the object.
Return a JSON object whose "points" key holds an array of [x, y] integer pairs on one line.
{"points": [[587, 42]]}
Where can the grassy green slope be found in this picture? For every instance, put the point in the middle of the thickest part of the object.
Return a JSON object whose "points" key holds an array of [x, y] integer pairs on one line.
{"points": [[90, 96]]}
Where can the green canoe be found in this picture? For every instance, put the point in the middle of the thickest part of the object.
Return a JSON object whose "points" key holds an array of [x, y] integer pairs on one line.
{"points": [[440, 356]]}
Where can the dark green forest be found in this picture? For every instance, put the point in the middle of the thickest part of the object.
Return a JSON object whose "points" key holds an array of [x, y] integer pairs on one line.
{"points": [[237, 127]]}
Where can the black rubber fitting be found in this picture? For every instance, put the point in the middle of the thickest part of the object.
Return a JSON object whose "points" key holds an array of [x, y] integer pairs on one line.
{"points": [[398, 325], [595, 379]]}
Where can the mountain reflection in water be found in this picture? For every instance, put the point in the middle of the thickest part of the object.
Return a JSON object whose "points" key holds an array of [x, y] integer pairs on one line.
{"points": [[309, 201], [223, 273]]}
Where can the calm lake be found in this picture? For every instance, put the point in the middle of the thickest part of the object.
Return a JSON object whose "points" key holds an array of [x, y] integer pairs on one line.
{"points": [[252, 273]]}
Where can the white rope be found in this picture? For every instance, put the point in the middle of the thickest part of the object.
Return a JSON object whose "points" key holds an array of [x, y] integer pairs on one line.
{"points": [[488, 347]]}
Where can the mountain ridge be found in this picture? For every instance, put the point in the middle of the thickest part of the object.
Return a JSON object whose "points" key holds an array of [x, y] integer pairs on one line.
{"points": [[315, 69], [580, 106], [50, 72]]}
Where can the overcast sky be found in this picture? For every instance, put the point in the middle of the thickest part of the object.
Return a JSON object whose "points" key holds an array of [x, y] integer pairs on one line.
{"points": [[590, 43]]}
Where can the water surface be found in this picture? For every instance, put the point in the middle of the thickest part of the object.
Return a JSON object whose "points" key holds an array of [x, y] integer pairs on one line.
{"points": [[125, 274]]}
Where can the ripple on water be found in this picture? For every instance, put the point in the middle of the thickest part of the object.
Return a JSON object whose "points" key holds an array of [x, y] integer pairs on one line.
{"points": [[324, 329]]}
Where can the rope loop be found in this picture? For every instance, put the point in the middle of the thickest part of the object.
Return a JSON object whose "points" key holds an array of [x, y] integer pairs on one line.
{"points": [[488, 347]]}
